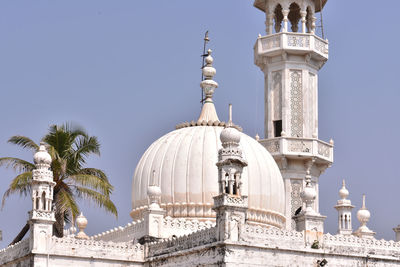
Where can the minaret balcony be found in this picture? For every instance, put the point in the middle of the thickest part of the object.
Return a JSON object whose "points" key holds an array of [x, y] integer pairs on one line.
{"points": [[295, 147], [293, 43]]}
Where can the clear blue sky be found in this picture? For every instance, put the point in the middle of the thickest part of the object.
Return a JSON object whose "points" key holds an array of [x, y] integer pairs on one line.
{"points": [[129, 71]]}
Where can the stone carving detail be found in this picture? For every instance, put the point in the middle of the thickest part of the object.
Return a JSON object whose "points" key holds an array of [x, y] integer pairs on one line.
{"points": [[304, 146], [295, 199], [42, 175], [324, 150], [269, 43], [268, 232], [321, 46], [296, 103], [273, 146], [277, 95], [298, 41], [42, 215]]}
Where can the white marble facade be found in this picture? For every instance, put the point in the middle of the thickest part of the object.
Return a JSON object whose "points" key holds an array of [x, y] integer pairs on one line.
{"points": [[247, 202]]}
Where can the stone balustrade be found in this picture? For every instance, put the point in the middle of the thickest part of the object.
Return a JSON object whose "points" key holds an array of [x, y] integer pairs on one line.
{"points": [[294, 146], [274, 44], [196, 239], [70, 246], [130, 232]]}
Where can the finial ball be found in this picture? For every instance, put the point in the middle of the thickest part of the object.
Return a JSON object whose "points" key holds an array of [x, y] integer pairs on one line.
{"points": [[81, 221]]}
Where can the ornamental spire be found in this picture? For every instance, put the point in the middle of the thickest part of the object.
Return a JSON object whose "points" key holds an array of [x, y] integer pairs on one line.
{"points": [[363, 216], [208, 112]]}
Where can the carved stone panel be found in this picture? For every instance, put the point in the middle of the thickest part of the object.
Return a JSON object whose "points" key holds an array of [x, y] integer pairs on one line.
{"points": [[295, 199], [296, 103], [277, 95]]}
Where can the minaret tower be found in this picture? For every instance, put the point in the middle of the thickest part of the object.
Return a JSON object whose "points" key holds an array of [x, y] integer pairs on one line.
{"points": [[41, 218], [344, 208], [230, 205], [290, 55]]}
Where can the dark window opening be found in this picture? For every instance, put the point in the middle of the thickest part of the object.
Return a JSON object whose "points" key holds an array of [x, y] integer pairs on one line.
{"points": [[278, 128]]}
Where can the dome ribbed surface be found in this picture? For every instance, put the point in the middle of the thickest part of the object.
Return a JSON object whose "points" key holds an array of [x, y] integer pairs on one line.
{"points": [[184, 164]]}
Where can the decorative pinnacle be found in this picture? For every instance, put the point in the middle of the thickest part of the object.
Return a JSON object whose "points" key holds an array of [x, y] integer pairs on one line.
{"points": [[230, 123], [363, 203], [208, 112], [343, 192]]}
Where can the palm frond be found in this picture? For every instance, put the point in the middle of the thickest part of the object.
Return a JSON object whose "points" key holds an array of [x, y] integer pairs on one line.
{"points": [[101, 200], [20, 184], [65, 204], [95, 172], [24, 142], [87, 145], [18, 165], [94, 182]]}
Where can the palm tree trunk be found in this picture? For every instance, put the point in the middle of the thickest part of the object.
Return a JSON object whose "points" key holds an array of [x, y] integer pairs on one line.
{"points": [[58, 226], [21, 234]]}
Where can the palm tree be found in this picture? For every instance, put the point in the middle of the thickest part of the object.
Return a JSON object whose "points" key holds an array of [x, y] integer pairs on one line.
{"points": [[69, 147]]}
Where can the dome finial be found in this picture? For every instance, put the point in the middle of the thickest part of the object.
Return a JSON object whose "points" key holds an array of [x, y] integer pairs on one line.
{"points": [[208, 112], [343, 192], [230, 136], [363, 201], [81, 222], [230, 124]]}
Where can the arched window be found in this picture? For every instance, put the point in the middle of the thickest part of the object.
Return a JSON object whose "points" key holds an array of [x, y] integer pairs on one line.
{"points": [[294, 16], [278, 18], [44, 200]]}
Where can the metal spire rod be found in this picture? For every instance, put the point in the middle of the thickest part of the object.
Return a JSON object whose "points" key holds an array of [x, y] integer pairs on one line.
{"points": [[206, 40]]}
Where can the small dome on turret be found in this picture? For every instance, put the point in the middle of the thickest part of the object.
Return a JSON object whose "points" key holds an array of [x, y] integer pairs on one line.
{"points": [[42, 156], [230, 135], [153, 191]]}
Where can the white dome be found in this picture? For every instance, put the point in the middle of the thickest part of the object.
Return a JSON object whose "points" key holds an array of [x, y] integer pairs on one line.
{"points": [[185, 168]]}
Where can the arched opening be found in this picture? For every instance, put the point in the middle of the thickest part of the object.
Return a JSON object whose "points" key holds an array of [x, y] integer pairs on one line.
{"points": [[226, 183], [278, 16], [37, 200], [44, 200], [341, 222], [235, 184], [294, 16], [346, 222], [309, 19]]}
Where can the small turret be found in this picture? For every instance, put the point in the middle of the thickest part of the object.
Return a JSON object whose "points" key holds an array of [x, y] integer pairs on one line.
{"points": [[154, 215], [230, 205], [344, 209]]}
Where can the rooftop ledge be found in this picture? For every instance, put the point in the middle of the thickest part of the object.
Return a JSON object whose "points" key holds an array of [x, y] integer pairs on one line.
{"points": [[294, 147], [292, 42]]}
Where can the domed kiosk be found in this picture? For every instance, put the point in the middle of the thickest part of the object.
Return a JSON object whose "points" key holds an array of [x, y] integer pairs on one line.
{"points": [[183, 164]]}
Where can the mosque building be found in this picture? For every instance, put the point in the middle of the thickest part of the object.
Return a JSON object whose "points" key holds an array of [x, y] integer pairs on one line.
{"points": [[207, 194]]}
